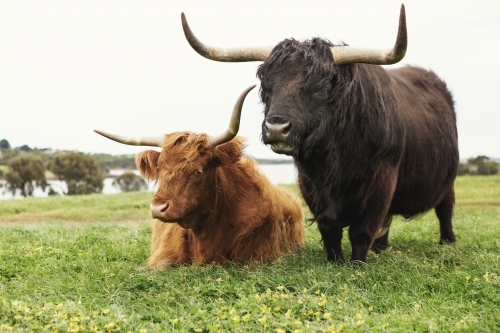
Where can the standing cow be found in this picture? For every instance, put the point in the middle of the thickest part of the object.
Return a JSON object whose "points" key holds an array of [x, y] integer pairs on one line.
{"points": [[368, 143], [212, 204]]}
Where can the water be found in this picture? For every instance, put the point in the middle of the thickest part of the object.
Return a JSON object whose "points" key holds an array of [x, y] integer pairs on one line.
{"points": [[280, 173], [277, 174]]}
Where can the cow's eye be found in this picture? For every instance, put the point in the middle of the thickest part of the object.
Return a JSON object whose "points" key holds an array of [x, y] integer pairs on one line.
{"points": [[198, 172]]}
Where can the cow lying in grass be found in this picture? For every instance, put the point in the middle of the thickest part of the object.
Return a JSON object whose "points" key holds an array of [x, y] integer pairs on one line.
{"points": [[212, 204]]}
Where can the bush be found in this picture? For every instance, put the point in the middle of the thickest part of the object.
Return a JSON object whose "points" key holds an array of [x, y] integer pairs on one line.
{"points": [[129, 181], [25, 173], [480, 165], [80, 171]]}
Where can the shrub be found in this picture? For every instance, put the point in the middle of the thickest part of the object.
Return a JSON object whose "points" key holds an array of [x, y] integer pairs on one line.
{"points": [[80, 171], [129, 181], [25, 173]]}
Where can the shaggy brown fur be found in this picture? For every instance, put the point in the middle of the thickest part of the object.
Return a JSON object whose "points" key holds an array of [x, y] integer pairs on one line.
{"points": [[220, 207]]}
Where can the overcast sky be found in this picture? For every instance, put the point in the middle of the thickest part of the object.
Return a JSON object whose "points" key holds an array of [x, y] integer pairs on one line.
{"points": [[67, 67]]}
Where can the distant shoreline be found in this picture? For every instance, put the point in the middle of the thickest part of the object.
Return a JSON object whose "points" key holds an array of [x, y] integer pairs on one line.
{"points": [[273, 161]]}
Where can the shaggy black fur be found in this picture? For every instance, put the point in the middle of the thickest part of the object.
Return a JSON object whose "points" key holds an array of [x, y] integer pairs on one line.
{"points": [[368, 143]]}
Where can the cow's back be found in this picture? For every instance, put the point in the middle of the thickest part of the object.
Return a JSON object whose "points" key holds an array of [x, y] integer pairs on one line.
{"points": [[429, 163]]}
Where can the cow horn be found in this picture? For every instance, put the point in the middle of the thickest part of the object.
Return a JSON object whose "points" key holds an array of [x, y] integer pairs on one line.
{"points": [[234, 124], [153, 141], [225, 54], [348, 54]]}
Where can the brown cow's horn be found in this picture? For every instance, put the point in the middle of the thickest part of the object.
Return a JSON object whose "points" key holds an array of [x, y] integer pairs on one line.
{"points": [[153, 141], [234, 124], [349, 54], [225, 54]]}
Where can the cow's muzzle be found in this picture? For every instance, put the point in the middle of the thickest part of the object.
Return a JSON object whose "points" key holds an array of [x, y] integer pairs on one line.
{"points": [[159, 211], [276, 133]]}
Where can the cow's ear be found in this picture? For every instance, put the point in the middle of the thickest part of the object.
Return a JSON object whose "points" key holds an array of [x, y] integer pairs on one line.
{"points": [[147, 163], [227, 153]]}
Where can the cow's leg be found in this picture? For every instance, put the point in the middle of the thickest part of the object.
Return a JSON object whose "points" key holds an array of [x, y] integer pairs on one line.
{"points": [[444, 212], [170, 245], [332, 241], [364, 228], [362, 231], [381, 243]]}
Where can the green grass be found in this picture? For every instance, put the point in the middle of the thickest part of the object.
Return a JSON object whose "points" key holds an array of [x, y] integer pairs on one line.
{"points": [[125, 207], [64, 267]]}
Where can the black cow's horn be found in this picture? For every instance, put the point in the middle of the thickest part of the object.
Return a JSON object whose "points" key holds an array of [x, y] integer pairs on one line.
{"points": [[341, 54], [349, 54], [153, 141], [234, 124], [225, 54]]}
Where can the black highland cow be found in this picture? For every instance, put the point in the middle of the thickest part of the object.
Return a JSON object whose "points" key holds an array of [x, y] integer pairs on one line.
{"points": [[368, 142]]}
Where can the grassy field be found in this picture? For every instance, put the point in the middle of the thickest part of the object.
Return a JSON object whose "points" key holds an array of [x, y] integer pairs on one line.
{"points": [[77, 264]]}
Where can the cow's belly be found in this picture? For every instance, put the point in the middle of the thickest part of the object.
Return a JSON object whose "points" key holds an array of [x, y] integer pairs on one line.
{"points": [[419, 196]]}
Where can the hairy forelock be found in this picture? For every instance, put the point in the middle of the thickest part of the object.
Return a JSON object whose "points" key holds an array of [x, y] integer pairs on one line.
{"points": [[182, 149], [312, 55]]}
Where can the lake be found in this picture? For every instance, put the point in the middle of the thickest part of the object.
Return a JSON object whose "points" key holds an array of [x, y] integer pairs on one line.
{"points": [[277, 174]]}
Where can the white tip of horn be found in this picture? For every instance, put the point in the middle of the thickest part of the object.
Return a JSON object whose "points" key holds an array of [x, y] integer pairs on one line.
{"points": [[153, 141]]}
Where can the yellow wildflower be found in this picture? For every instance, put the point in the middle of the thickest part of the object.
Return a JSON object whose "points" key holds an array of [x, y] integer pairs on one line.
{"points": [[109, 326]]}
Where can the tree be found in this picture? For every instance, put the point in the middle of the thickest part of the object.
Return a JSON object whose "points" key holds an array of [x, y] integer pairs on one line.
{"points": [[80, 171], [4, 144], [25, 148], [129, 181], [7, 154], [482, 165], [25, 173], [463, 169], [108, 162]]}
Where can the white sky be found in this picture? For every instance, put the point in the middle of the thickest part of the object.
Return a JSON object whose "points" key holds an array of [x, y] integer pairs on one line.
{"points": [[67, 67]]}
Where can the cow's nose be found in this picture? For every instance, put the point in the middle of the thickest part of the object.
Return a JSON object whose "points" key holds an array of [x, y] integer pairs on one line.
{"points": [[277, 132], [158, 210]]}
